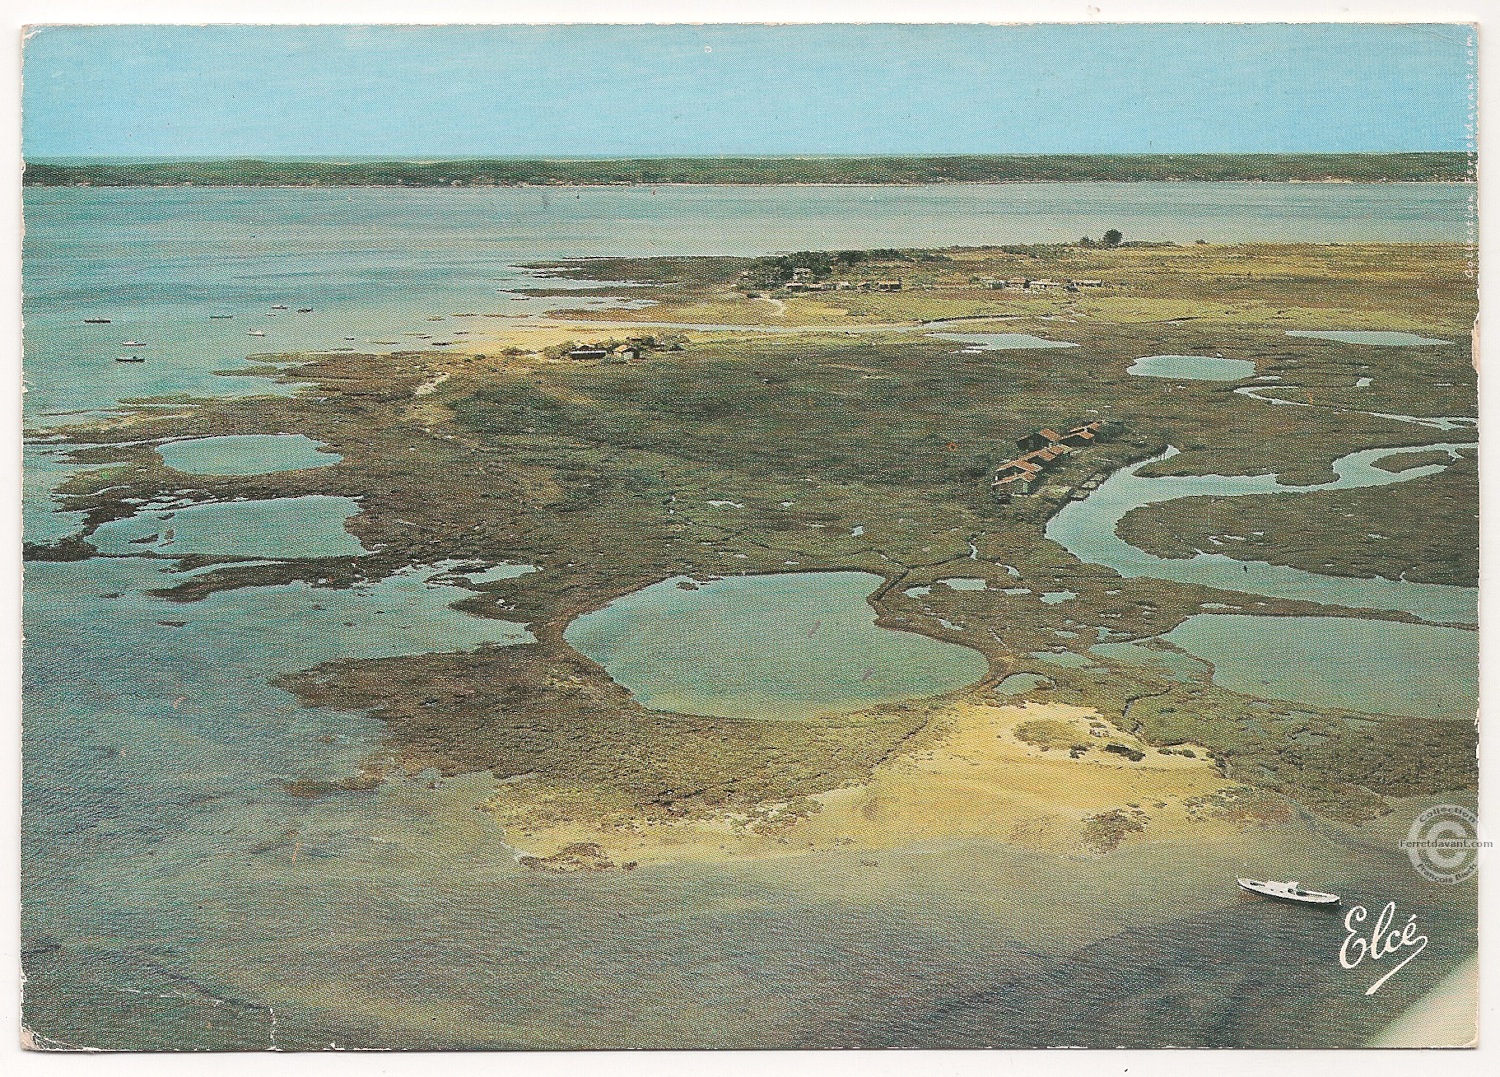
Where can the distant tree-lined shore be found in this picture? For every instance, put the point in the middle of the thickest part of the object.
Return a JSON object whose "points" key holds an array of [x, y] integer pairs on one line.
{"points": [[514, 172]]}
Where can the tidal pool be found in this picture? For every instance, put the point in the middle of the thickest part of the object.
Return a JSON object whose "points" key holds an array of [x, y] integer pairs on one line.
{"points": [[994, 342], [246, 454], [1435, 422], [1087, 530], [311, 526], [1381, 667], [1184, 667], [1071, 659], [497, 573], [1364, 336], [1021, 683], [788, 645], [958, 583], [1196, 367]]}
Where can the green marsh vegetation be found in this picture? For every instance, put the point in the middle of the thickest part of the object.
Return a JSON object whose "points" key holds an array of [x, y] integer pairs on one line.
{"points": [[866, 452]]}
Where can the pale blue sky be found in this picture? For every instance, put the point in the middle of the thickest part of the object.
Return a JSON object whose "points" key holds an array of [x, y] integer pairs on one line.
{"points": [[677, 90]]}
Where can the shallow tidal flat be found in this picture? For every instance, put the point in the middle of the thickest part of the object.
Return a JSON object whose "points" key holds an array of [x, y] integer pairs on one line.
{"points": [[611, 479], [845, 742]]}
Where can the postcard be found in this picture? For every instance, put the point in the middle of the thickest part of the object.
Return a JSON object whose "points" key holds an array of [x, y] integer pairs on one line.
{"points": [[750, 536]]}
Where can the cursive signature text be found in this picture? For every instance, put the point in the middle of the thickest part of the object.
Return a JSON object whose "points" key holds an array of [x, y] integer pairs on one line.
{"points": [[1381, 941]]}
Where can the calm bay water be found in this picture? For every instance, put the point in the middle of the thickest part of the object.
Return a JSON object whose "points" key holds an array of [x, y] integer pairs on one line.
{"points": [[175, 895], [377, 263]]}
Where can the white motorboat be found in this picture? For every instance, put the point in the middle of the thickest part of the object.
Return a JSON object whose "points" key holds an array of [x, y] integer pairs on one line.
{"points": [[1291, 891], [257, 332]]}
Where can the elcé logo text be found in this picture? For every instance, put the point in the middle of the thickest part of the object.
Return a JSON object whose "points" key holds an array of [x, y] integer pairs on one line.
{"points": [[1381, 941]]}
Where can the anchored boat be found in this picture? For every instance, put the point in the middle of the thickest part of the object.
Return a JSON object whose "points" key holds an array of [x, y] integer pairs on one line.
{"points": [[1291, 891]]}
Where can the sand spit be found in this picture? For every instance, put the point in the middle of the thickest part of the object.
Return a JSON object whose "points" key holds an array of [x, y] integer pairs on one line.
{"points": [[1048, 777]]}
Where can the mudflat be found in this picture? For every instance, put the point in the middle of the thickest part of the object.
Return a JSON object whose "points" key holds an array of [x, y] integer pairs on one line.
{"points": [[853, 439]]}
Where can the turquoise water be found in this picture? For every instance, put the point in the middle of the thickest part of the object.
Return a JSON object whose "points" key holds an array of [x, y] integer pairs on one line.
{"points": [[1365, 665], [311, 526], [1087, 530], [1070, 659], [958, 583], [1364, 336], [993, 342], [1018, 684], [245, 454], [1433, 422], [44, 468], [1184, 667], [155, 751], [1380, 667], [497, 573], [1199, 367], [789, 645], [374, 264]]}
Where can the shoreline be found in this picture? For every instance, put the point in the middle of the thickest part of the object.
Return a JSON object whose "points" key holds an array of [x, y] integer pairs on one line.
{"points": [[418, 736], [981, 769]]}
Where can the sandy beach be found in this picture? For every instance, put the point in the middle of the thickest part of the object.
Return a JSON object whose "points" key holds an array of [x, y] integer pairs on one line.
{"points": [[977, 778]]}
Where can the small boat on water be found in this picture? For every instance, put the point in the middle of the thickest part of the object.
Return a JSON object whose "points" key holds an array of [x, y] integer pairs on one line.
{"points": [[134, 344], [257, 332], [304, 310], [96, 321], [1291, 891], [221, 315], [129, 359], [278, 306]]}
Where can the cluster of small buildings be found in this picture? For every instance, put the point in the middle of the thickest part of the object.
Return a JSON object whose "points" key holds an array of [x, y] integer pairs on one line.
{"points": [[803, 281], [1040, 451], [628, 352], [624, 353], [1027, 284]]}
